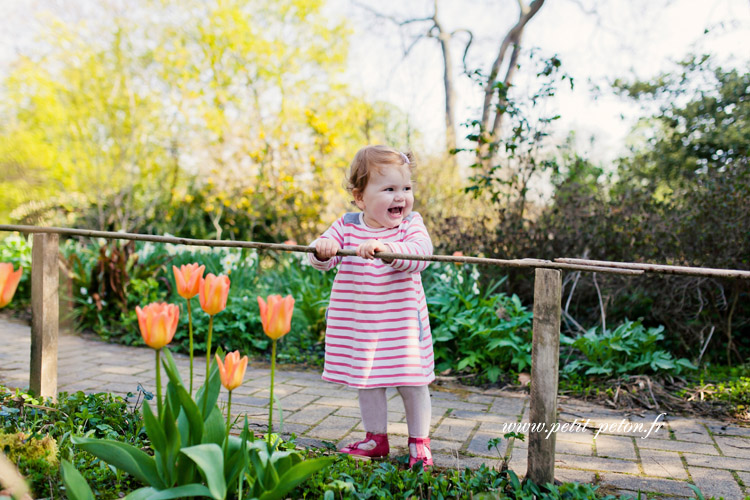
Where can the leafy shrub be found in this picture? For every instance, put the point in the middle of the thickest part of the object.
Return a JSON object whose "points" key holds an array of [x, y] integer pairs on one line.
{"points": [[349, 478], [100, 415], [628, 349], [476, 329]]}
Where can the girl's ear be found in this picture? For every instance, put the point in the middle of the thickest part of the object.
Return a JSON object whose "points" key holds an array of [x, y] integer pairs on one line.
{"points": [[357, 194]]}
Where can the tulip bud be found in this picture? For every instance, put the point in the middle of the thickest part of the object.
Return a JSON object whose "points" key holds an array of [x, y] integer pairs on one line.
{"points": [[158, 323], [276, 315], [213, 293], [188, 279], [232, 370]]}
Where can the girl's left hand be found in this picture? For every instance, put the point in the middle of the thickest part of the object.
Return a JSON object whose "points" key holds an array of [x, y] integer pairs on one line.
{"points": [[368, 249]]}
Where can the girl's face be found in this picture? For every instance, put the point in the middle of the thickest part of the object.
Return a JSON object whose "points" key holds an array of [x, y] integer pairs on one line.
{"points": [[388, 198]]}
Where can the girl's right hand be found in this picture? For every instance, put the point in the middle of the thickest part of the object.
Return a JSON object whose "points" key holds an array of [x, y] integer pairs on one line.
{"points": [[326, 248]]}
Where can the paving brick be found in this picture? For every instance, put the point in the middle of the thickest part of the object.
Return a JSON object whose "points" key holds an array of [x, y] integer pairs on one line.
{"points": [[635, 483], [574, 475], [331, 401], [453, 429], [480, 398], [615, 447], [327, 389], [663, 444], [663, 464], [716, 483], [484, 417], [689, 430], [332, 428], [296, 401], [730, 463], [279, 390], [461, 462], [734, 446], [595, 463], [253, 401], [518, 464], [311, 415], [445, 447], [745, 478], [480, 440], [508, 406], [722, 429]]}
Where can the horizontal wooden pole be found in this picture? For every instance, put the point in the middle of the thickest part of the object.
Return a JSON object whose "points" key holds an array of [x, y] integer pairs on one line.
{"points": [[561, 263], [663, 269], [525, 263]]}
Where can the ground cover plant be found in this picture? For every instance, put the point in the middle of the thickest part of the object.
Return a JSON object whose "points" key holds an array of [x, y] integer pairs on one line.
{"points": [[94, 415]]}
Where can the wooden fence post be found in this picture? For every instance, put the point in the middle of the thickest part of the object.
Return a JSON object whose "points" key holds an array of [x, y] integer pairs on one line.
{"points": [[545, 360], [45, 312]]}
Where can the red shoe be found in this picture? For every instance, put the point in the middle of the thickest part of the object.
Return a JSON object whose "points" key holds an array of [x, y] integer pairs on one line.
{"points": [[423, 452], [380, 450]]}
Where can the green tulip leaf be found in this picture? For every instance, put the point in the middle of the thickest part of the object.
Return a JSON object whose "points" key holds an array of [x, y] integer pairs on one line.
{"points": [[188, 490], [125, 457], [75, 485], [210, 460], [154, 430], [193, 415], [214, 428], [296, 475], [171, 368], [211, 387]]}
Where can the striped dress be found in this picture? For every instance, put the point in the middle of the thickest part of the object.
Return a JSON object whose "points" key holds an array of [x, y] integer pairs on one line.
{"points": [[378, 329]]}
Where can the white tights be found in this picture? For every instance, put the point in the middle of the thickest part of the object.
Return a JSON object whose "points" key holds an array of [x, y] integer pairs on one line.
{"points": [[374, 409]]}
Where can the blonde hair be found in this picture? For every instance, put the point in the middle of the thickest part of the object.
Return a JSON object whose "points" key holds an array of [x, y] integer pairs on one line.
{"points": [[370, 157]]}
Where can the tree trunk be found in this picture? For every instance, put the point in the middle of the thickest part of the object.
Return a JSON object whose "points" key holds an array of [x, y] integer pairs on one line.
{"points": [[494, 112]]}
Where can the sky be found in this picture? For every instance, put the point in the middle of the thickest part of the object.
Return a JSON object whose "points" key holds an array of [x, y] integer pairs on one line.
{"points": [[596, 41]]}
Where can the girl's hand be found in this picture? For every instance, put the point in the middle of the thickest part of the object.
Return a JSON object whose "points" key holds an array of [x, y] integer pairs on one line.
{"points": [[368, 249], [326, 248]]}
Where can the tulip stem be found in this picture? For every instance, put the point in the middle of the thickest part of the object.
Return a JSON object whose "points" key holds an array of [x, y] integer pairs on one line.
{"points": [[158, 384], [229, 415], [208, 361], [190, 332], [270, 403], [208, 345]]}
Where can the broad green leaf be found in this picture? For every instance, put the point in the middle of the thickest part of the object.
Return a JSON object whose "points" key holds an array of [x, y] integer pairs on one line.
{"points": [[214, 428], [187, 490], [210, 460], [75, 485], [193, 415], [154, 429], [295, 476], [123, 456]]}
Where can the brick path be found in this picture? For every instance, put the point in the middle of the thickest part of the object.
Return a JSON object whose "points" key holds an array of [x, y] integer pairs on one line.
{"points": [[713, 455]]}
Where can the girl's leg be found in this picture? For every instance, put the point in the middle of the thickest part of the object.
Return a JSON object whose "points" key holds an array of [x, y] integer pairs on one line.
{"points": [[418, 415], [372, 405]]}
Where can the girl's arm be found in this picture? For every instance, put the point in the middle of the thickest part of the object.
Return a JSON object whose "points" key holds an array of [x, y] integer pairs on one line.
{"points": [[416, 242], [335, 235]]}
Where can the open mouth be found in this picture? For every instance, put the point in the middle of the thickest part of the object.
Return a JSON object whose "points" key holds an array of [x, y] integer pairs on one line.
{"points": [[396, 211]]}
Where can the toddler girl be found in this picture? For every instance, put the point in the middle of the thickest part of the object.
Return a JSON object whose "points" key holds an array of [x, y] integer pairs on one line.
{"points": [[378, 331]]}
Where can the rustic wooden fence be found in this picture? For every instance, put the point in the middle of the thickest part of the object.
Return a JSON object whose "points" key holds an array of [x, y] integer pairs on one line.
{"points": [[546, 323]]}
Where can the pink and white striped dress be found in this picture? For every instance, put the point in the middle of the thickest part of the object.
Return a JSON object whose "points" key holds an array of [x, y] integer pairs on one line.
{"points": [[378, 328]]}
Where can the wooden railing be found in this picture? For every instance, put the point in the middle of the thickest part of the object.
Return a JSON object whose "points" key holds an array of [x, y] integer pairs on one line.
{"points": [[546, 324]]}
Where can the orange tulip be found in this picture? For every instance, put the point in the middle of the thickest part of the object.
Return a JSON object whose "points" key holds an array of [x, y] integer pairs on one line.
{"points": [[458, 253], [8, 282], [158, 323], [213, 293], [188, 279], [276, 315], [232, 371]]}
